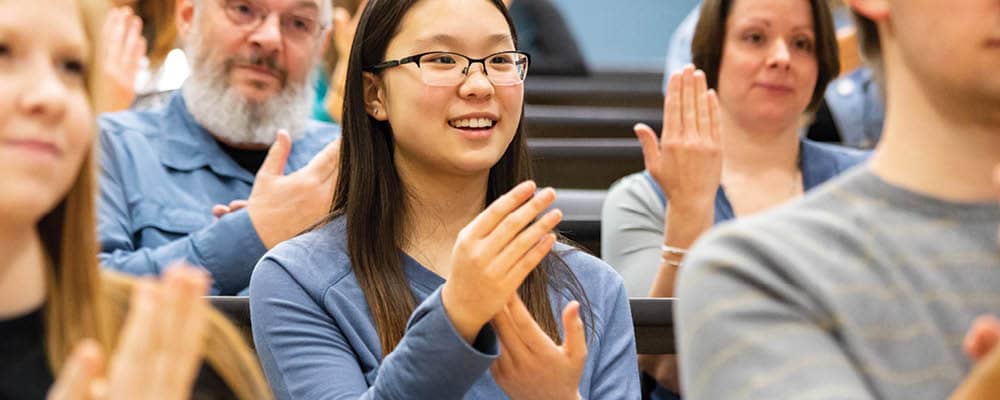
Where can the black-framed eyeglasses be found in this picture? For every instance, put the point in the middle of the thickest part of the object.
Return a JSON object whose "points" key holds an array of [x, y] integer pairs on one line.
{"points": [[250, 15], [445, 68]]}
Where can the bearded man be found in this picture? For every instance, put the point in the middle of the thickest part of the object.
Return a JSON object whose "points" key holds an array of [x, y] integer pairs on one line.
{"points": [[231, 165]]}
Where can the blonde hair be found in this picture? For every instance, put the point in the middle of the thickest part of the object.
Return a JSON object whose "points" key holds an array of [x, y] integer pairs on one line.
{"points": [[84, 302]]}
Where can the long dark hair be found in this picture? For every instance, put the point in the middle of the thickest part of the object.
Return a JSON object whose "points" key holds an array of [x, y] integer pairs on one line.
{"points": [[371, 196]]}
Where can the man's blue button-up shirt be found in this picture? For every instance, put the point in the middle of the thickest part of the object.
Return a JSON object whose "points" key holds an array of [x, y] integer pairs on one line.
{"points": [[161, 173]]}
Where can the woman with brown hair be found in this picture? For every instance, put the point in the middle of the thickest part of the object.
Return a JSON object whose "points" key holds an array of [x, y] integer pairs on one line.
{"points": [[730, 145], [437, 275], [53, 296]]}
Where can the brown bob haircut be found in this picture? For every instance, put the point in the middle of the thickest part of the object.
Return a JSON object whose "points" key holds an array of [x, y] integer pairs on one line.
{"points": [[710, 39]]}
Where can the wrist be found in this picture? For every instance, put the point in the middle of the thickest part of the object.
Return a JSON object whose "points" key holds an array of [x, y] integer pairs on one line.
{"points": [[465, 324], [258, 222]]}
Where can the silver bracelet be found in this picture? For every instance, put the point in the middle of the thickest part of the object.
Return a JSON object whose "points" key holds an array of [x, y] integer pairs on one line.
{"points": [[674, 250], [672, 263]]}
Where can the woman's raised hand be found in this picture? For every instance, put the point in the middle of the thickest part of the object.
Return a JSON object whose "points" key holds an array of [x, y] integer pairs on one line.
{"points": [[494, 253], [160, 348], [531, 365], [123, 49], [686, 161]]}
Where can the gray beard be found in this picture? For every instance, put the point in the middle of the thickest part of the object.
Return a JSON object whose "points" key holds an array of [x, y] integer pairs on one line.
{"points": [[229, 116]]}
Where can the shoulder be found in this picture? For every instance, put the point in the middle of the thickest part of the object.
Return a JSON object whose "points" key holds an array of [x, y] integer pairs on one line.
{"points": [[316, 260], [842, 157], [635, 188], [595, 275], [319, 133], [129, 124]]}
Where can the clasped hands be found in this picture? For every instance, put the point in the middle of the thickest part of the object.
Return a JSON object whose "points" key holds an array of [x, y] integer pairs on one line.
{"points": [[491, 258]]}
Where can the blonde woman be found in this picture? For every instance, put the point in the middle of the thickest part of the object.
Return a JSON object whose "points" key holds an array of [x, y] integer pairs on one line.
{"points": [[66, 325]]}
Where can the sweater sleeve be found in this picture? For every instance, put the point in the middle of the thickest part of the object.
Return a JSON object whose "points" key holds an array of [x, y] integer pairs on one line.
{"points": [[632, 232], [306, 355], [616, 373], [747, 330]]}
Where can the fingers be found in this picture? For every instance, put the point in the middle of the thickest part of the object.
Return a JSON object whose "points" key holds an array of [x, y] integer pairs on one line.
{"points": [[326, 163], [535, 339], [219, 210], [277, 156], [486, 221], [704, 115], [650, 146], [575, 343], [237, 205], [982, 337], [185, 319], [134, 47], [715, 115], [510, 337], [512, 226], [530, 260], [689, 114], [83, 367], [672, 107], [515, 249]]}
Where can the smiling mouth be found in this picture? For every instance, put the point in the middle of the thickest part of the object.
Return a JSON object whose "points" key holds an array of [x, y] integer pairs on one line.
{"points": [[473, 123]]}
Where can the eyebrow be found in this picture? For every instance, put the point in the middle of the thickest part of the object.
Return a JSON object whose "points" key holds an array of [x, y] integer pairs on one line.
{"points": [[449, 40]]}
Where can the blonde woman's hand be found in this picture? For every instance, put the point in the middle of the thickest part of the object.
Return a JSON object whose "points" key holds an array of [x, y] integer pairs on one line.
{"points": [[160, 349], [494, 253], [686, 160], [123, 50], [531, 365]]}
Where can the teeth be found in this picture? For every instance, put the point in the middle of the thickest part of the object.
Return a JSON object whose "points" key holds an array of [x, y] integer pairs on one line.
{"points": [[474, 123]]}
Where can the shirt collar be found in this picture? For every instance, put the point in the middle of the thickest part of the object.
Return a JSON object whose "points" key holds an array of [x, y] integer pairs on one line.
{"points": [[188, 146]]}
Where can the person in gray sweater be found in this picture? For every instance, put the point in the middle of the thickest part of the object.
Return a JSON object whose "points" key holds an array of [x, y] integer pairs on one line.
{"points": [[865, 288]]}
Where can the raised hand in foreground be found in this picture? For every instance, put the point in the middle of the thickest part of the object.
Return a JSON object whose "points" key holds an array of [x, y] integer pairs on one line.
{"points": [[160, 349]]}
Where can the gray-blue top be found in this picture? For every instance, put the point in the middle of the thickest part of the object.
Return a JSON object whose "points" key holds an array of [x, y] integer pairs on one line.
{"points": [[161, 173], [316, 338]]}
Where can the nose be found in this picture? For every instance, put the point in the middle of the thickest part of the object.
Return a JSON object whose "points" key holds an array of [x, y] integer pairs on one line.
{"points": [[476, 85], [44, 98], [267, 36], [780, 57]]}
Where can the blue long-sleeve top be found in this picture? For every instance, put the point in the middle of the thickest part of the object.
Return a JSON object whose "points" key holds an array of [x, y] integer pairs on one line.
{"points": [[317, 340], [160, 174]]}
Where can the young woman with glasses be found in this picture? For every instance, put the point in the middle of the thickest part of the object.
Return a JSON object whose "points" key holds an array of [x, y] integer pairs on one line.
{"points": [[437, 275]]}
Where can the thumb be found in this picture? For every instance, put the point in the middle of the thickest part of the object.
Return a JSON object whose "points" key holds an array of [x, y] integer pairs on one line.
{"points": [[277, 156], [575, 342], [650, 145]]}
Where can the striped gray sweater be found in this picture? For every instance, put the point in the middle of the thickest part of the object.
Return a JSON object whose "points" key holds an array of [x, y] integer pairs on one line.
{"points": [[860, 290]]}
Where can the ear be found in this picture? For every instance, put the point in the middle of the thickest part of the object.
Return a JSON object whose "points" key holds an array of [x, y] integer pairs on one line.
{"points": [[875, 10], [184, 17], [375, 103]]}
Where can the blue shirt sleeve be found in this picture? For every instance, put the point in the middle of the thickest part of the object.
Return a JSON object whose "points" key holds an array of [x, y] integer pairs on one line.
{"points": [[305, 353], [616, 371], [228, 248]]}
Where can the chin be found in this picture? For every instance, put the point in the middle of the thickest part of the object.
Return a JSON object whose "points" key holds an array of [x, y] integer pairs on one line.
{"points": [[255, 93], [30, 200]]}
